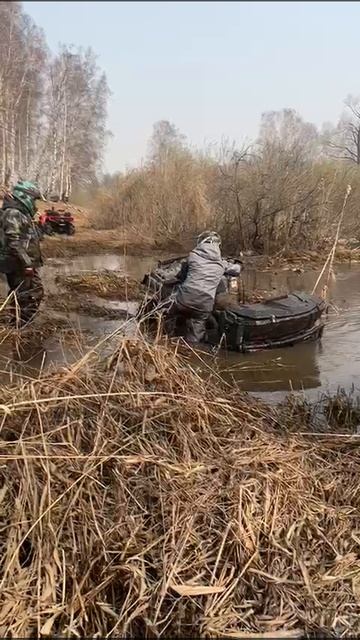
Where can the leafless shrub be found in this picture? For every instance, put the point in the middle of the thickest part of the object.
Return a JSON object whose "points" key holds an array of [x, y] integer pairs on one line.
{"points": [[279, 194]]}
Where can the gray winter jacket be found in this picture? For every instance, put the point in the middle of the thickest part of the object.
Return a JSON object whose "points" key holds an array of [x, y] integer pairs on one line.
{"points": [[201, 275]]}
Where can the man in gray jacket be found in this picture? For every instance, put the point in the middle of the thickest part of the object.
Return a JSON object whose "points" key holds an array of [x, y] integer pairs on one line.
{"points": [[199, 279]]}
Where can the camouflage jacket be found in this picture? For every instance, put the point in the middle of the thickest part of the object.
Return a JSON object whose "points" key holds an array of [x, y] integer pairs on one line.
{"points": [[19, 239]]}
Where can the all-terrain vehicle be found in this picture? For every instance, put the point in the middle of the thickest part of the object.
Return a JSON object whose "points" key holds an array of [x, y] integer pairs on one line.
{"points": [[56, 221]]}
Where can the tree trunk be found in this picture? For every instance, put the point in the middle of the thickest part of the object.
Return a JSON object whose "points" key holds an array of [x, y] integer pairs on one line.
{"points": [[238, 209], [12, 147], [3, 167], [68, 182], [19, 160], [64, 148], [27, 136], [52, 180]]}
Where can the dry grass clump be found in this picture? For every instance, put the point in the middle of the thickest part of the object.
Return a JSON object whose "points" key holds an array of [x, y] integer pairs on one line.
{"points": [[138, 500], [338, 412], [105, 284], [343, 409]]}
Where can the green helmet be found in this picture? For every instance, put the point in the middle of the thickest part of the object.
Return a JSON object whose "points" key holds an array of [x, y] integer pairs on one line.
{"points": [[27, 192]]}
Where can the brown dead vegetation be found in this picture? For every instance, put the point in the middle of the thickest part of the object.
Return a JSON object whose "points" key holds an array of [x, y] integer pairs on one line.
{"points": [[138, 501], [90, 241], [104, 284], [277, 196]]}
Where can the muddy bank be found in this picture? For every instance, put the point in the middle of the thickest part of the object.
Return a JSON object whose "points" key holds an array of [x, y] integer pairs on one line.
{"points": [[117, 241], [89, 241], [103, 294], [83, 305]]}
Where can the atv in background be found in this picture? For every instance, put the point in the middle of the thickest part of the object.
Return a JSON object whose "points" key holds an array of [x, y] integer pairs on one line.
{"points": [[56, 221]]}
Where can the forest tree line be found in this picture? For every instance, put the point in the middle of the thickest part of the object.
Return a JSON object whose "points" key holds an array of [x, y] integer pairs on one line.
{"points": [[282, 192], [52, 108]]}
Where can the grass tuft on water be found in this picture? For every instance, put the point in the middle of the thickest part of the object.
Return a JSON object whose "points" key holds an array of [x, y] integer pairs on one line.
{"points": [[104, 284]]}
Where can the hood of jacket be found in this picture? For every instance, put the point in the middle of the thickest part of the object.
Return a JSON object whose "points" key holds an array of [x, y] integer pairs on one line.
{"points": [[14, 203], [208, 250]]}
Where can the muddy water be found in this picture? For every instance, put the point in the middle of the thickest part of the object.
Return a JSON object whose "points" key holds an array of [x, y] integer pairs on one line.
{"points": [[19, 360], [311, 367]]}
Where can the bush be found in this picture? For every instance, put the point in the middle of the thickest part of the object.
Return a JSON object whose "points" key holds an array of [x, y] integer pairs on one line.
{"points": [[280, 195]]}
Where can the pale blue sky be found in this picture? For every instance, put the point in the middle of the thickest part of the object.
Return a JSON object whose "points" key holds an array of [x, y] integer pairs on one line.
{"points": [[211, 68]]}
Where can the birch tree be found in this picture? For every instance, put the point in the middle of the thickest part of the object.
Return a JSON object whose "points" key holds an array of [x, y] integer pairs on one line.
{"points": [[52, 108], [22, 63], [76, 115]]}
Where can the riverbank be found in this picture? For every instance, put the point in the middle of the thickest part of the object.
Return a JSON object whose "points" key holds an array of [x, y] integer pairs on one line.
{"points": [[96, 293], [213, 517], [127, 242]]}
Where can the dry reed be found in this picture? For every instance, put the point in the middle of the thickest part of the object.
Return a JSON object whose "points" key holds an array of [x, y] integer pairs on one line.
{"points": [[105, 284], [330, 259], [138, 500]]}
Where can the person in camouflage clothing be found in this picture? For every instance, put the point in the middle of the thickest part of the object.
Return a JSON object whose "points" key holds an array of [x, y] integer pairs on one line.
{"points": [[20, 253]]}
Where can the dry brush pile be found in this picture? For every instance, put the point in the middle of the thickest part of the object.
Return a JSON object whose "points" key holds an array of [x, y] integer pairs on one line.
{"points": [[105, 284], [138, 500]]}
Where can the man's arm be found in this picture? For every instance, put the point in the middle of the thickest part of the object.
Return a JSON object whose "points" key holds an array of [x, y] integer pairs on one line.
{"points": [[181, 275], [232, 269], [12, 231], [178, 276]]}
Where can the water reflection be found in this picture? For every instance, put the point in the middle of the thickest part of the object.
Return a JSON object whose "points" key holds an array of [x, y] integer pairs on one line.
{"points": [[334, 362], [270, 371]]}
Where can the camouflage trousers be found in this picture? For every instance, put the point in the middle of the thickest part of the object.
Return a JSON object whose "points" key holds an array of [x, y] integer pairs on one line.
{"points": [[29, 293], [189, 323]]}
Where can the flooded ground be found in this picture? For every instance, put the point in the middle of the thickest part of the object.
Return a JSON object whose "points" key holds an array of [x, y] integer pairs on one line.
{"points": [[315, 366], [133, 266], [311, 367]]}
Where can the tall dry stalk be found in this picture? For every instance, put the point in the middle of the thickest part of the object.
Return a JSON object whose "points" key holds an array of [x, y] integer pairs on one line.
{"points": [[330, 258]]}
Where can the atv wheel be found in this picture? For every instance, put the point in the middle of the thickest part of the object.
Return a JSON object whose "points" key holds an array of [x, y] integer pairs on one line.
{"points": [[70, 230], [48, 229]]}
